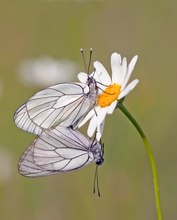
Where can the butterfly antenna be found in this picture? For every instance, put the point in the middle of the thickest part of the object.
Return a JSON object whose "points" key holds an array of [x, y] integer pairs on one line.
{"points": [[96, 183], [83, 57], [90, 59], [95, 112], [94, 71]]}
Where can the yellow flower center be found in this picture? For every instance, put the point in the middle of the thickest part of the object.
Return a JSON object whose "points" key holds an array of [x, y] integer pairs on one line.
{"points": [[109, 95]]}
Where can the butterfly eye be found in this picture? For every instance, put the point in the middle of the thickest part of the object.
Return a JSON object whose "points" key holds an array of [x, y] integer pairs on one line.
{"points": [[100, 161]]}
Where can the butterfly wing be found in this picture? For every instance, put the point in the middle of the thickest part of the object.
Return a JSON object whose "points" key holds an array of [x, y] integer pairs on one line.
{"points": [[54, 151], [27, 167], [64, 104], [23, 121]]}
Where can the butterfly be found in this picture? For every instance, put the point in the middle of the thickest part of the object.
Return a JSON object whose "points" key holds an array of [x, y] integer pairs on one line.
{"points": [[65, 104], [59, 150]]}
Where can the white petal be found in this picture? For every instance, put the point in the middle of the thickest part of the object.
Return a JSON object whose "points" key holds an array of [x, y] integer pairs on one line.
{"points": [[101, 74], [100, 131], [129, 71], [82, 77], [87, 117], [116, 68], [112, 107], [130, 87], [101, 115], [92, 126], [124, 70], [96, 121]]}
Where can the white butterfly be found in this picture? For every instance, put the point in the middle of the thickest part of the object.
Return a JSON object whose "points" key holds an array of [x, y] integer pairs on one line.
{"points": [[65, 104], [59, 150]]}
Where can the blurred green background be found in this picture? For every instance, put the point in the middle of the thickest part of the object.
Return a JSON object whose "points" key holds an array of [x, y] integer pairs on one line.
{"points": [[31, 29]]}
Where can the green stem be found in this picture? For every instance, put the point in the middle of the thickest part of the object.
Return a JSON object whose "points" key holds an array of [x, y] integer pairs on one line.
{"points": [[150, 155]]}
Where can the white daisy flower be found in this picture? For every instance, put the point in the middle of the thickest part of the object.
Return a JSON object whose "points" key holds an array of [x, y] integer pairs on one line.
{"points": [[110, 91]]}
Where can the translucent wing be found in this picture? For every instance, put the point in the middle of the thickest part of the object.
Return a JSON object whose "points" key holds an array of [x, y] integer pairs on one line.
{"points": [[58, 150], [23, 121], [64, 104]]}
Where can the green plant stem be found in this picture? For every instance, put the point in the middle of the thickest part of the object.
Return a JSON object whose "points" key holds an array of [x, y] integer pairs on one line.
{"points": [[150, 155]]}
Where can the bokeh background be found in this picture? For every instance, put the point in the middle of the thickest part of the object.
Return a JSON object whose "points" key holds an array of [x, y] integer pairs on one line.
{"points": [[40, 41]]}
